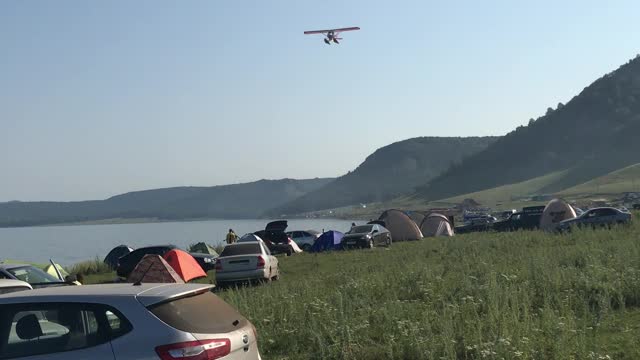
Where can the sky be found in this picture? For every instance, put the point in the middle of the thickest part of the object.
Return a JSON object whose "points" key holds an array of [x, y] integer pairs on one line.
{"points": [[101, 98]]}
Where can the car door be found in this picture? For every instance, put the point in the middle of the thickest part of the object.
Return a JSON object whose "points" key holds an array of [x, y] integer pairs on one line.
{"points": [[273, 261], [375, 234]]}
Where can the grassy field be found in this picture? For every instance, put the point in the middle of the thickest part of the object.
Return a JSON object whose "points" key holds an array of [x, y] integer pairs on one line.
{"points": [[525, 295], [617, 182]]}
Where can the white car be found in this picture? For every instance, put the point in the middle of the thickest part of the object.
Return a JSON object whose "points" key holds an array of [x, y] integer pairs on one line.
{"points": [[123, 322], [9, 285], [304, 239], [246, 261]]}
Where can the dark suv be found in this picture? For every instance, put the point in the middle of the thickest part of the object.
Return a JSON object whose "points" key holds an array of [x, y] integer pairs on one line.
{"points": [[127, 263]]}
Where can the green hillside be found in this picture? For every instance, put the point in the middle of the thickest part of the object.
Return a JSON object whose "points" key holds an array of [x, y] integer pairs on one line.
{"points": [[617, 182], [593, 134], [389, 172]]}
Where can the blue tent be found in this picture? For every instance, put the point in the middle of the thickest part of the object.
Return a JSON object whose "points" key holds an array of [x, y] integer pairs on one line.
{"points": [[329, 240]]}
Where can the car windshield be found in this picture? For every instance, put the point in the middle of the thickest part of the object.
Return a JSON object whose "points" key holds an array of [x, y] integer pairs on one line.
{"points": [[241, 249], [360, 229], [31, 274]]}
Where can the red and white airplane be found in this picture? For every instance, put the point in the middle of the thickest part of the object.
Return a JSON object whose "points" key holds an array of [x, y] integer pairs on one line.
{"points": [[331, 34]]}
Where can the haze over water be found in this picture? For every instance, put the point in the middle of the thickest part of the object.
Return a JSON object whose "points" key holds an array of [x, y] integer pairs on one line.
{"points": [[68, 245]]}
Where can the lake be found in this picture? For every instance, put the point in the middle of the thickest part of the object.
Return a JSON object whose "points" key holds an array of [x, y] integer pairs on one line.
{"points": [[68, 245]]}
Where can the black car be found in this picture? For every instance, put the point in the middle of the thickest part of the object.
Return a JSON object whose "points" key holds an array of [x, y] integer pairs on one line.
{"points": [[527, 219], [127, 263], [275, 238], [366, 236]]}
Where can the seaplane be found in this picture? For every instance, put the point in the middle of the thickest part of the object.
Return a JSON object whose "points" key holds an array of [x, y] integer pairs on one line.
{"points": [[331, 34]]}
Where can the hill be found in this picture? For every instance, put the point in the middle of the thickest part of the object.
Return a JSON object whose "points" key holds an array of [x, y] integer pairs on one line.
{"points": [[592, 135], [617, 182], [390, 171], [247, 200]]}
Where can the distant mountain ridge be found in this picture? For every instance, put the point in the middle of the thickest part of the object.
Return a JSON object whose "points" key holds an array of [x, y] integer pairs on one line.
{"points": [[593, 134], [390, 171], [248, 200]]}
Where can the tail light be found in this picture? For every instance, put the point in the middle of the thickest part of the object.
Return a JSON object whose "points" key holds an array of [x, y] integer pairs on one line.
{"points": [[195, 350], [218, 265], [261, 262]]}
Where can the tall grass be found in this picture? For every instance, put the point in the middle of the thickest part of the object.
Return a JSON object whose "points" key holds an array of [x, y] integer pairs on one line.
{"points": [[525, 295], [90, 267]]}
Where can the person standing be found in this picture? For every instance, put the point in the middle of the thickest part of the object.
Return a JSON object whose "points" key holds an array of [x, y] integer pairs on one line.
{"points": [[231, 237]]}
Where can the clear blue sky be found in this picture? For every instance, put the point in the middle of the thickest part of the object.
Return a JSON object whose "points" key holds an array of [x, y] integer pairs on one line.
{"points": [[100, 98]]}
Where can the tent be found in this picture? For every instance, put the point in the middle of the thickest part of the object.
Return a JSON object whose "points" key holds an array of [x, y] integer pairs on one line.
{"points": [[184, 264], [202, 248], [436, 225], [249, 237], [153, 269], [49, 269], [400, 225], [555, 211], [116, 253], [416, 216], [329, 240]]}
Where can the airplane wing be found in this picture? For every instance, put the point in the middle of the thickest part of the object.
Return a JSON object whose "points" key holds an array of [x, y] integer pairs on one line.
{"points": [[334, 30]]}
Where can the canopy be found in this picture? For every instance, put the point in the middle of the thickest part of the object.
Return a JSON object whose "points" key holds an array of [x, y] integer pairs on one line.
{"points": [[153, 269], [436, 225], [555, 211], [400, 225], [202, 248], [184, 264], [329, 240], [116, 253]]}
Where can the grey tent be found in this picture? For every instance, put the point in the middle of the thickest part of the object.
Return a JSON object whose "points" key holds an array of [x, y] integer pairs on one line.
{"points": [[436, 225], [417, 216], [154, 269], [400, 225], [202, 248], [116, 253], [555, 211]]}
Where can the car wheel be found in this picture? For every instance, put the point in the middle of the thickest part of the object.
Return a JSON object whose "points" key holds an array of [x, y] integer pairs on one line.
{"points": [[388, 241], [370, 245]]}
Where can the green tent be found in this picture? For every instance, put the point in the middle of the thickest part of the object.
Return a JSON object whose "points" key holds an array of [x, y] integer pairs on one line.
{"points": [[49, 269], [202, 248]]}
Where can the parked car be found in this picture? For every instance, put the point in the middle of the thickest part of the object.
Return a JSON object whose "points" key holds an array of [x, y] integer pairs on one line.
{"points": [[123, 322], [366, 236], [247, 261], [527, 219], [304, 239], [30, 274], [275, 238], [127, 263], [596, 217], [10, 285], [636, 206]]}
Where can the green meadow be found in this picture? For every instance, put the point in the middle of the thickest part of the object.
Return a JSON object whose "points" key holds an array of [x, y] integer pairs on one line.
{"points": [[524, 295]]}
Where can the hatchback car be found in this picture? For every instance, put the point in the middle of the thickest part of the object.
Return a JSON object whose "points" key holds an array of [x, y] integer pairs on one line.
{"points": [[123, 321], [366, 236], [127, 263], [30, 274], [246, 262], [8, 286]]}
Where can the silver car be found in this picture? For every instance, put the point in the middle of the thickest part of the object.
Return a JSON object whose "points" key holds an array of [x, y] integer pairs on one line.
{"points": [[304, 239], [9, 285], [246, 261], [602, 216], [123, 321]]}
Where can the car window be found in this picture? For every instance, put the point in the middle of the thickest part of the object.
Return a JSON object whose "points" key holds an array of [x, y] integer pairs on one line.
{"points": [[305, 234], [31, 274], [46, 328], [203, 313], [607, 212], [241, 249], [361, 229]]}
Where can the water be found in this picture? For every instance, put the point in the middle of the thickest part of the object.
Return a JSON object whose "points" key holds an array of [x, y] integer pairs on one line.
{"points": [[68, 245]]}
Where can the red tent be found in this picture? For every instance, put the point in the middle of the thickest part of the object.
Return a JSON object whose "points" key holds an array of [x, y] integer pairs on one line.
{"points": [[184, 264]]}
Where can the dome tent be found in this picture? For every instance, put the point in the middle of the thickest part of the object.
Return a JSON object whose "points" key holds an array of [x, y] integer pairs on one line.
{"points": [[555, 212], [329, 240], [400, 225], [154, 269], [436, 225], [202, 248]]}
